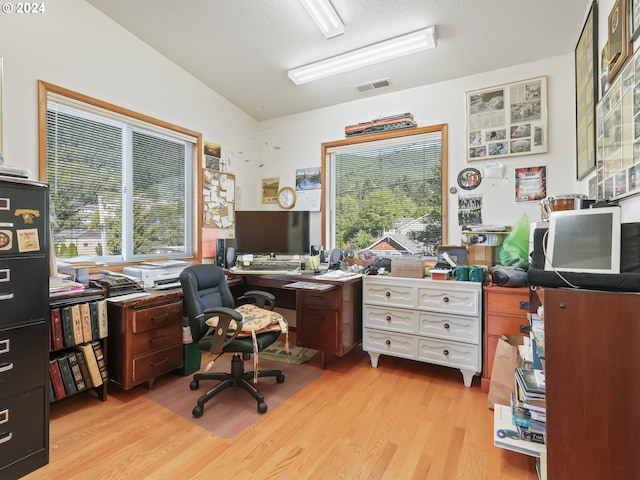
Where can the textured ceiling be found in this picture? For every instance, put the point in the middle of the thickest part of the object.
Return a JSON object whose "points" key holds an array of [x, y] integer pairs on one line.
{"points": [[243, 48]]}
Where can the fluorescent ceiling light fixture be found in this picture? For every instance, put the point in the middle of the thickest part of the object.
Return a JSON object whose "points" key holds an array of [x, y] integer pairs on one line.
{"points": [[378, 52], [325, 17]]}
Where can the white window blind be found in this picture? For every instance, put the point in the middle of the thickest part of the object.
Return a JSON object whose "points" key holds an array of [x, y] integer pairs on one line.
{"points": [[119, 190], [387, 187]]}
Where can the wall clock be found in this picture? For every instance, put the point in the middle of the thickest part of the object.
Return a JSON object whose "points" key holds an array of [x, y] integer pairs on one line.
{"points": [[286, 197]]}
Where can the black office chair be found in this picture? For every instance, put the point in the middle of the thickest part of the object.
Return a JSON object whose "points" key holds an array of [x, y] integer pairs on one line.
{"points": [[206, 295]]}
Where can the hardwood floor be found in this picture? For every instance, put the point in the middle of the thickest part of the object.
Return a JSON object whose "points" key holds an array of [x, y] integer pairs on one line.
{"points": [[403, 420]]}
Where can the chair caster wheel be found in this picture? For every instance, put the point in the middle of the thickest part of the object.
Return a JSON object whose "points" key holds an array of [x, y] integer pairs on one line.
{"points": [[198, 411], [194, 386], [280, 379], [262, 407]]}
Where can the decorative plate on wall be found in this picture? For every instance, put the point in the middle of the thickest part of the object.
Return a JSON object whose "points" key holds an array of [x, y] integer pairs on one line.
{"points": [[469, 178]]}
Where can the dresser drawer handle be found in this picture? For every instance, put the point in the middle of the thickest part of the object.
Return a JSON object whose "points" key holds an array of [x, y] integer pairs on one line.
{"points": [[446, 353], [388, 318], [6, 296], [445, 299], [163, 317], [5, 367], [155, 339], [317, 297], [388, 342], [164, 360], [387, 294], [4, 416], [446, 326], [4, 346], [6, 436]]}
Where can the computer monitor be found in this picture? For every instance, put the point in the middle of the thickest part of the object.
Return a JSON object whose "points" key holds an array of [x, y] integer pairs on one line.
{"points": [[584, 241], [276, 232]]}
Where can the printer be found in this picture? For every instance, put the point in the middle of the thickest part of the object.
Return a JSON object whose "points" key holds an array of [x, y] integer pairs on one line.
{"points": [[155, 276]]}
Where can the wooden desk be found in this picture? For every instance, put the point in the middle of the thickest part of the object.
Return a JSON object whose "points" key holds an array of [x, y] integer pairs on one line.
{"points": [[145, 338], [329, 321]]}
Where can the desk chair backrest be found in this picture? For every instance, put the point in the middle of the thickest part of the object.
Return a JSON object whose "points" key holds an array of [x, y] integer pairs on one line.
{"points": [[204, 286]]}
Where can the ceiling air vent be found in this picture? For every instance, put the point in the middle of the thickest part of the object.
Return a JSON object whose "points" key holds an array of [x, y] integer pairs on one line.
{"points": [[374, 85]]}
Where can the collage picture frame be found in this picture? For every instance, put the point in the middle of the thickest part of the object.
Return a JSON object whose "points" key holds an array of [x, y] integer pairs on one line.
{"points": [[507, 120]]}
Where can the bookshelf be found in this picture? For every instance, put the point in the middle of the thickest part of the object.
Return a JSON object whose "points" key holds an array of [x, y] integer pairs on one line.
{"points": [[78, 330], [521, 426]]}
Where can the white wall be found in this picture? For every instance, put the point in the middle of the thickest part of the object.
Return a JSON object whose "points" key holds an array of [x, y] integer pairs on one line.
{"points": [[299, 138], [75, 46]]}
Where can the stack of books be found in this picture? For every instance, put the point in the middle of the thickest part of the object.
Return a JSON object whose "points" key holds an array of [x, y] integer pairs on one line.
{"points": [[77, 369], [528, 405]]}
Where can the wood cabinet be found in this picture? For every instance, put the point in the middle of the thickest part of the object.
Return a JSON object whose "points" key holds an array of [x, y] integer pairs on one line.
{"points": [[329, 320], [426, 320], [145, 338], [24, 332], [505, 309], [592, 384]]}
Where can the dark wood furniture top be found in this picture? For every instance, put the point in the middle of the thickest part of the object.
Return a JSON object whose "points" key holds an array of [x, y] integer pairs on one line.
{"points": [[329, 321], [145, 338]]}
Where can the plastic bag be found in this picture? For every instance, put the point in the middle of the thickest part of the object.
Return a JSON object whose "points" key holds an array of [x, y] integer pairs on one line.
{"points": [[515, 248]]}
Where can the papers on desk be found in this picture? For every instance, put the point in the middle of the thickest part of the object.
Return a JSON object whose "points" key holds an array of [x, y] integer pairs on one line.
{"points": [[310, 286], [63, 285], [338, 275]]}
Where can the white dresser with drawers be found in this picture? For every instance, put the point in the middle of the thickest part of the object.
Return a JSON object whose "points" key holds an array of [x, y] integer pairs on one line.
{"points": [[434, 321]]}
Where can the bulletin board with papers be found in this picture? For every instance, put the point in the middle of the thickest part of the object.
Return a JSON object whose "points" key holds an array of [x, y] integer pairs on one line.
{"points": [[218, 199]]}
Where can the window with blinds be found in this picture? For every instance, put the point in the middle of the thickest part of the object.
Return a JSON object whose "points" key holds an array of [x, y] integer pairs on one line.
{"points": [[387, 196], [119, 190]]}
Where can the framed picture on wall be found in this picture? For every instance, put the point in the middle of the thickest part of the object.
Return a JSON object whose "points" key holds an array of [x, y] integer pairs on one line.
{"points": [[618, 40], [634, 20], [507, 120], [586, 94]]}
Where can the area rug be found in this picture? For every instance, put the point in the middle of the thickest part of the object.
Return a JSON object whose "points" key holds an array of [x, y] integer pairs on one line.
{"points": [[232, 410], [278, 353]]}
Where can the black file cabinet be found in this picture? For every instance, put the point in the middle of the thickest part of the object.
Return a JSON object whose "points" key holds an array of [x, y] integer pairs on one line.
{"points": [[24, 334]]}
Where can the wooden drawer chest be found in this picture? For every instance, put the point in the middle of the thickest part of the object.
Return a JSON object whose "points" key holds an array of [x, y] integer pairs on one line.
{"points": [[505, 309], [145, 338]]}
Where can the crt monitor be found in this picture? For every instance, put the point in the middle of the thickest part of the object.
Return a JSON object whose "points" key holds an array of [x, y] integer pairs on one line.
{"points": [[584, 241]]}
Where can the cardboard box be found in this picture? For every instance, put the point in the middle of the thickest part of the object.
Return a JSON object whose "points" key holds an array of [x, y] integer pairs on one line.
{"points": [[412, 267], [480, 255]]}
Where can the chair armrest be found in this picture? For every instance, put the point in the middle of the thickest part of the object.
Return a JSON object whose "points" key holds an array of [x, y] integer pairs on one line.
{"points": [[258, 297], [225, 315]]}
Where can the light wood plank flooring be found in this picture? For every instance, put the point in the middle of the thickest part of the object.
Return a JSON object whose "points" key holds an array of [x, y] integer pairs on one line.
{"points": [[403, 420]]}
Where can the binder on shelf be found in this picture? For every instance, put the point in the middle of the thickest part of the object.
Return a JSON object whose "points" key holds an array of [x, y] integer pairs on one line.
{"points": [[75, 371], [92, 364], [76, 318], [102, 362], [87, 330], [103, 323], [67, 376], [82, 362], [67, 327], [56, 379], [95, 320], [57, 342]]}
